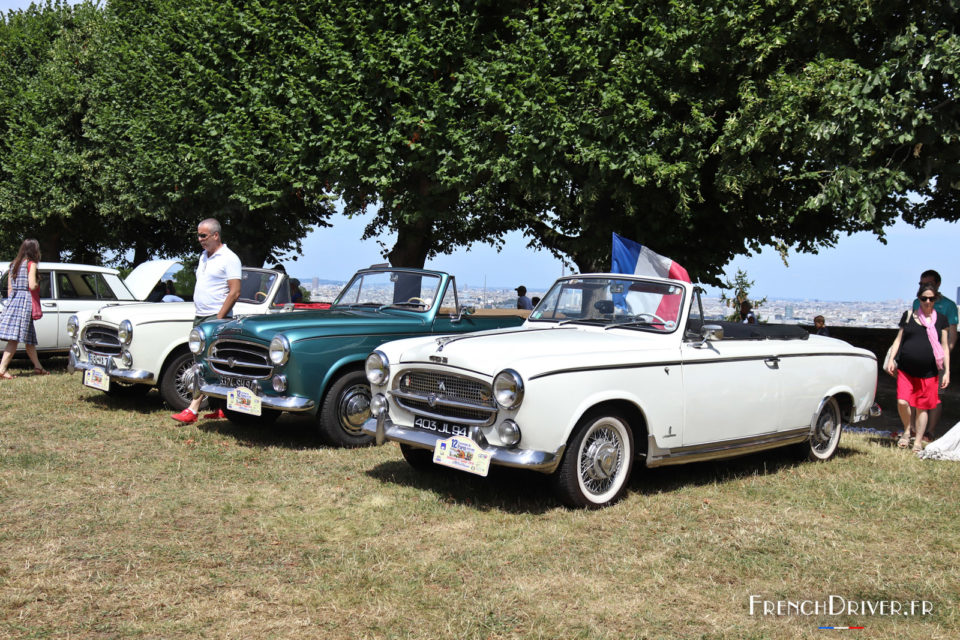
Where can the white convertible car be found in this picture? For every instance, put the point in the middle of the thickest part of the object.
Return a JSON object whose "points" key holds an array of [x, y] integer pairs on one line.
{"points": [[130, 349], [610, 369]]}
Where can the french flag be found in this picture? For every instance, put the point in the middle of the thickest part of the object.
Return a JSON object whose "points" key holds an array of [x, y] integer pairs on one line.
{"points": [[633, 257]]}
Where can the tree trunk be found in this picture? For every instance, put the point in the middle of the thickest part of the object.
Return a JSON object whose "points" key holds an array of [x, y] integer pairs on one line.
{"points": [[414, 241]]}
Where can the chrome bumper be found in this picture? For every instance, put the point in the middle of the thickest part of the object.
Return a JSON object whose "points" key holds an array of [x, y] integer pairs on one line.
{"points": [[383, 429], [134, 376], [280, 403]]}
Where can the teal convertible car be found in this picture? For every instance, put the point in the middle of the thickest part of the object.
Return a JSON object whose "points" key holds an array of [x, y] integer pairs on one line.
{"points": [[313, 361]]}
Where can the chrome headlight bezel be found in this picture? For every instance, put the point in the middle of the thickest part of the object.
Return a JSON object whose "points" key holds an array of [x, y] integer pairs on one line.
{"points": [[73, 326], [196, 341], [508, 389], [125, 332], [279, 350], [377, 368]]}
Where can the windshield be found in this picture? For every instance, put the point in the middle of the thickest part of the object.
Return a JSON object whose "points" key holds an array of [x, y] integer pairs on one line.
{"points": [[400, 289], [612, 302], [255, 286]]}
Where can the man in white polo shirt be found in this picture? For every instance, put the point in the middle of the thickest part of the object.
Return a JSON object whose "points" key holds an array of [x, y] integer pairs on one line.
{"points": [[216, 291]]}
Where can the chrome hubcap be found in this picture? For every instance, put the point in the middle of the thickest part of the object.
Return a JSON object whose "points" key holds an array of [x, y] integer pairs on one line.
{"points": [[354, 408]]}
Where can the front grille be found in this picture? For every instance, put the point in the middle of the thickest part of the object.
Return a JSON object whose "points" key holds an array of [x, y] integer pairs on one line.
{"points": [[446, 397], [240, 359], [101, 340]]}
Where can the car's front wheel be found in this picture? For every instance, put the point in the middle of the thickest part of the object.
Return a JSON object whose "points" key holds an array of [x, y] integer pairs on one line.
{"points": [[174, 387], [345, 408], [597, 463], [825, 437]]}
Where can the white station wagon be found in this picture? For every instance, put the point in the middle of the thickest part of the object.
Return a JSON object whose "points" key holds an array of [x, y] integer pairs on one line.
{"points": [[609, 369], [67, 289]]}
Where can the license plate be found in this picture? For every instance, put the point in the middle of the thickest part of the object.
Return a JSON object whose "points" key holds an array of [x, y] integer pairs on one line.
{"points": [[462, 453], [440, 428], [243, 400], [226, 381], [96, 378], [99, 360]]}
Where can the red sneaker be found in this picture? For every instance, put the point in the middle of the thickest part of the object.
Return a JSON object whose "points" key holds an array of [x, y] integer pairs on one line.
{"points": [[186, 416], [215, 415]]}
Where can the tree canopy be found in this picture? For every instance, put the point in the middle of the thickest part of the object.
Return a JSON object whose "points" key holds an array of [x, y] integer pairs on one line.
{"points": [[705, 130]]}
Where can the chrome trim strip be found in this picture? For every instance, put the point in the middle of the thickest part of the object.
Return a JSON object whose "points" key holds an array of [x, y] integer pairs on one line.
{"points": [[439, 401], [281, 403], [657, 456], [543, 461]]}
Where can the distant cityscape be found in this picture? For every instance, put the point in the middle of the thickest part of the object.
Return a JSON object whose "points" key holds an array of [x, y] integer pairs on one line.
{"points": [[884, 314]]}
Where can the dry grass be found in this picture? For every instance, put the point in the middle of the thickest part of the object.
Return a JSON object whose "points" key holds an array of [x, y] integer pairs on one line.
{"points": [[117, 523]]}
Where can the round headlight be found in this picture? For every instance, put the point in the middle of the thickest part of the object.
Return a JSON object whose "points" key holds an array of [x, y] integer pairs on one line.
{"points": [[279, 383], [73, 326], [125, 332], [126, 358], [195, 342], [279, 349], [508, 389], [377, 367]]}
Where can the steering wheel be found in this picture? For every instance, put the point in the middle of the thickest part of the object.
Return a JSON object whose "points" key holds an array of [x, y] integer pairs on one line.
{"points": [[418, 301], [259, 295]]}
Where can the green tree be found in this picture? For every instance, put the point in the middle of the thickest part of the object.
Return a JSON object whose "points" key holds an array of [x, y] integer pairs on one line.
{"points": [[704, 129], [48, 167], [206, 109], [740, 288], [406, 148]]}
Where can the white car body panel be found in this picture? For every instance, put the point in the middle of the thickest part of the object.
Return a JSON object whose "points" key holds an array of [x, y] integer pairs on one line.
{"points": [[145, 277]]}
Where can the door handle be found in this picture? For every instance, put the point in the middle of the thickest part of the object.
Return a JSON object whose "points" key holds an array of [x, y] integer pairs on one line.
{"points": [[773, 362], [49, 304]]}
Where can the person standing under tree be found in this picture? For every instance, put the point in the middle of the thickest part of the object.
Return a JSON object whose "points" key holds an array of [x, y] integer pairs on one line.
{"points": [[946, 307], [217, 289], [16, 321]]}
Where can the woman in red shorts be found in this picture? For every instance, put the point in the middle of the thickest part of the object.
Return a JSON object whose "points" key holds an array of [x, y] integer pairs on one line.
{"points": [[921, 345]]}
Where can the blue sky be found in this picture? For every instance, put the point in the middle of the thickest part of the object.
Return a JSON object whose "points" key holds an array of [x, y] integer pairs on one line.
{"points": [[860, 267]]}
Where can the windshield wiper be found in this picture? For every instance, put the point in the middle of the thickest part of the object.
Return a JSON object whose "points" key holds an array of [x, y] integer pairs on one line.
{"points": [[582, 321], [635, 323]]}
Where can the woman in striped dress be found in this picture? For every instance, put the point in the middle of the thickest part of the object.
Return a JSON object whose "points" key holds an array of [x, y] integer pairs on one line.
{"points": [[16, 321]]}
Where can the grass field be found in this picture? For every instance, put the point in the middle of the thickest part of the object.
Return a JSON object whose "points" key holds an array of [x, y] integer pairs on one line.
{"points": [[118, 523]]}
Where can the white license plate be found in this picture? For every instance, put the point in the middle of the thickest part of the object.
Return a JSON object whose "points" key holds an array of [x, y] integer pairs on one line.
{"points": [[96, 378], [99, 360], [440, 427], [462, 453], [243, 400]]}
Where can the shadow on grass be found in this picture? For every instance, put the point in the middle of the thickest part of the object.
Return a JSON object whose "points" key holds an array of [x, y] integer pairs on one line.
{"points": [[523, 491], [288, 432]]}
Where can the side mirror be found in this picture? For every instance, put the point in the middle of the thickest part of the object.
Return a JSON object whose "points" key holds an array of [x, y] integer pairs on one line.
{"points": [[464, 312], [711, 332]]}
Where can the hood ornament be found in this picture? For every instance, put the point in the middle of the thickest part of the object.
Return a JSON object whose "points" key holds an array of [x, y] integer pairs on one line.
{"points": [[443, 340]]}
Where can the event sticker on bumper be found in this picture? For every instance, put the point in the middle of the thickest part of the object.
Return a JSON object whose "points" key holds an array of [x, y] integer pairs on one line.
{"points": [[462, 453]]}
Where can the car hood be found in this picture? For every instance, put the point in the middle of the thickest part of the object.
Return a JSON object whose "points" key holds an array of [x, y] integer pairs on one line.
{"points": [[299, 325], [143, 312], [145, 277], [533, 349]]}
